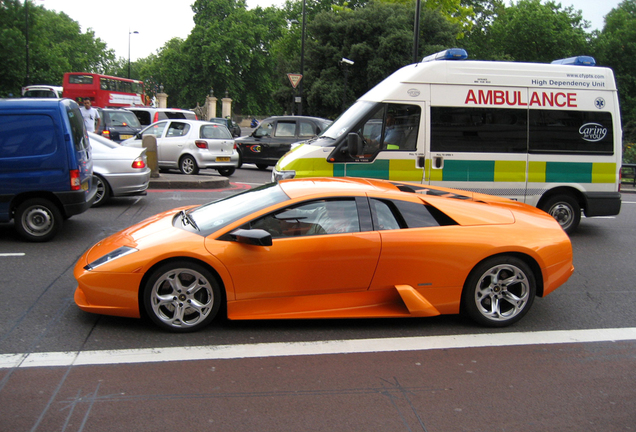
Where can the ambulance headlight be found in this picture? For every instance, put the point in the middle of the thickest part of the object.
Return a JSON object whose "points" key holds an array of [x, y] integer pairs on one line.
{"points": [[282, 175]]}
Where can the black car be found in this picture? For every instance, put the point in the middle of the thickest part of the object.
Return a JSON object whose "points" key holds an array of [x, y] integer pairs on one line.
{"points": [[232, 126], [274, 137], [117, 124]]}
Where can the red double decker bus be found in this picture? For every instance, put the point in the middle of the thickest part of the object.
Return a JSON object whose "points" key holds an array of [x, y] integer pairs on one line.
{"points": [[103, 90]]}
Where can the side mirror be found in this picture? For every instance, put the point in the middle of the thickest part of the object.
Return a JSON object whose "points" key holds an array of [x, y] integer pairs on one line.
{"points": [[354, 144], [256, 237]]}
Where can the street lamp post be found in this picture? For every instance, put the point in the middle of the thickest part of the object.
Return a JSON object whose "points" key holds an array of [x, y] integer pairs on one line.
{"points": [[129, 33], [302, 64]]}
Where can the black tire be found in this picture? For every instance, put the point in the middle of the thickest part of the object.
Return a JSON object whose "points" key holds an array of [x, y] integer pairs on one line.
{"points": [[499, 291], [226, 172], [182, 297], [565, 209], [103, 191], [38, 220], [262, 167], [240, 162], [188, 165]]}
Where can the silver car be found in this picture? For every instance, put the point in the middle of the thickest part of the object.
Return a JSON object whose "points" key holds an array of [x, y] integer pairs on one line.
{"points": [[119, 171], [190, 145]]}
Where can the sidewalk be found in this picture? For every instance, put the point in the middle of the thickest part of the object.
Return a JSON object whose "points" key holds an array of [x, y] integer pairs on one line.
{"points": [[203, 180]]}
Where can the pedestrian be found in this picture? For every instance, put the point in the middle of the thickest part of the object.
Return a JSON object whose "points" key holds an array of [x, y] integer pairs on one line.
{"points": [[90, 115]]}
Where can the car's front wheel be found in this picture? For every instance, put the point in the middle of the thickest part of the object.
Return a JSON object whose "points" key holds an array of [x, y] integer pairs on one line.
{"points": [[182, 296], [188, 165], [38, 220], [499, 291]]}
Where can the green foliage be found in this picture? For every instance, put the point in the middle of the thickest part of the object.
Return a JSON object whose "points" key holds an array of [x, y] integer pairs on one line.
{"points": [[56, 46], [616, 48], [378, 38]]}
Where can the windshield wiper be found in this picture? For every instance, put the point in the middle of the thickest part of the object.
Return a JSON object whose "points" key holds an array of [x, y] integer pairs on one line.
{"points": [[186, 218]]}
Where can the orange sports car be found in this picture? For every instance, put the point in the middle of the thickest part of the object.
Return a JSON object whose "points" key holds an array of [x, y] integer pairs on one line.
{"points": [[329, 248]]}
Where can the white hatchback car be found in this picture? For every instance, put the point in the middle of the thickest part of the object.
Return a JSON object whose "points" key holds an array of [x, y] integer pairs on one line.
{"points": [[190, 145]]}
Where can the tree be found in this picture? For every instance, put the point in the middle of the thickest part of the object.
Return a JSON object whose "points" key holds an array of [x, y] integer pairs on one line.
{"points": [[533, 32], [378, 38], [56, 46], [616, 48]]}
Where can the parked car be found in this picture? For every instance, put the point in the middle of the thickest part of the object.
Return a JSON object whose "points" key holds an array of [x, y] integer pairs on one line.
{"points": [[46, 167], [150, 115], [119, 171], [329, 248], [42, 91], [117, 124], [234, 128], [274, 137], [190, 145]]}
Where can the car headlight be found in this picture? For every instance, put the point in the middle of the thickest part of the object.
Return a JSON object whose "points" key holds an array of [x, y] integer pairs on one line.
{"points": [[117, 253], [282, 175]]}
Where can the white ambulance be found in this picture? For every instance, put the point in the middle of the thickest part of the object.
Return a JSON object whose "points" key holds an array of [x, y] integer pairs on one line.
{"points": [[545, 134]]}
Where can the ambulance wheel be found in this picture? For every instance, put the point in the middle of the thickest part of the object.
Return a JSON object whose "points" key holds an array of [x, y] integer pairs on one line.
{"points": [[565, 209]]}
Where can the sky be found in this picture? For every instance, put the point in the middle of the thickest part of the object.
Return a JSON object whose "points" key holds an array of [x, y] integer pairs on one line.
{"points": [[158, 21]]}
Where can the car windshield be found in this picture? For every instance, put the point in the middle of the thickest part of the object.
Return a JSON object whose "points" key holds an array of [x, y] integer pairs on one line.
{"points": [[343, 124], [216, 215], [123, 118]]}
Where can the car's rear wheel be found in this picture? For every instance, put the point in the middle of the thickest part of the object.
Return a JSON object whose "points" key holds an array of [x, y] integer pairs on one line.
{"points": [[103, 191], [499, 291], [226, 172], [188, 165], [565, 209], [38, 220], [182, 296]]}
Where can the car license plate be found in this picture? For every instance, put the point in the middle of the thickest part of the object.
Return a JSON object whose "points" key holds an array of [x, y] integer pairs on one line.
{"points": [[125, 136], [222, 159]]}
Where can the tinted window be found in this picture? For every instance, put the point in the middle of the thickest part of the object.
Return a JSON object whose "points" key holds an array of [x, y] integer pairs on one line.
{"points": [[311, 218], [26, 135], [560, 131], [286, 129], [143, 117], [490, 130], [307, 129], [80, 140], [215, 132]]}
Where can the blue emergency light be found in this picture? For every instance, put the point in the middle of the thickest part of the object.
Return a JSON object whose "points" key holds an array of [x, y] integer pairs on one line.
{"points": [[449, 54], [577, 61]]}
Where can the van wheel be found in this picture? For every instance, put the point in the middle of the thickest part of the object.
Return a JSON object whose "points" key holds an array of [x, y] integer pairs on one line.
{"points": [[188, 165], [565, 210], [103, 191], [226, 172], [38, 220]]}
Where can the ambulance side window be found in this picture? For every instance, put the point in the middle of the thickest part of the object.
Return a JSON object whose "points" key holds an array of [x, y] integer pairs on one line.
{"points": [[392, 127]]}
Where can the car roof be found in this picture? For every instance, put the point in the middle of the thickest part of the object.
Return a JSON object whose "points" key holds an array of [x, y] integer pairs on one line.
{"points": [[296, 118]]}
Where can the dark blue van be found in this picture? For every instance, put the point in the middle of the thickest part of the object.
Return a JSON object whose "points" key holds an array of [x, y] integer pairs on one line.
{"points": [[46, 167]]}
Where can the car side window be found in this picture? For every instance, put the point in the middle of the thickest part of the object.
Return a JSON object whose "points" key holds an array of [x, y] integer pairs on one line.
{"points": [[307, 129], [285, 129], [395, 214], [177, 129], [311, 218], [156, 129]]}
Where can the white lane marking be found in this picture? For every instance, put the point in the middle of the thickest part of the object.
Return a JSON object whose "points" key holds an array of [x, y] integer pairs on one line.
{"points": [[224, 352], [17, 254]]}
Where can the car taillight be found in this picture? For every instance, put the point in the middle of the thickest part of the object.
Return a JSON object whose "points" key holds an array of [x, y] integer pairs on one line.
{"points": [[139, 163], [201, 144], [106, 133], [75, 180]]}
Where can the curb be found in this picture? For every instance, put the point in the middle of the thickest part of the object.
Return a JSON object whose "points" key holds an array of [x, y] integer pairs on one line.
{"points": [[181, 181]]}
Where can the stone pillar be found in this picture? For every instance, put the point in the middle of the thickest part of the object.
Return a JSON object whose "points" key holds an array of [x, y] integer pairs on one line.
{"points": [[227, 106], [149, 142], [162, 99], [210, 104]]}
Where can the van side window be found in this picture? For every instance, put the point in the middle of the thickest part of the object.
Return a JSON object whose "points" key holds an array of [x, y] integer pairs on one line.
{"points": [[480, 130], [580, 132], [26, 135], [391, 127]]}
